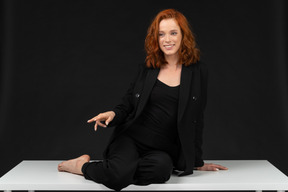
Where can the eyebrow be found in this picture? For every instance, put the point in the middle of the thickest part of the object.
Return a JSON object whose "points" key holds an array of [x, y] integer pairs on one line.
{"points": [[170, 30]]}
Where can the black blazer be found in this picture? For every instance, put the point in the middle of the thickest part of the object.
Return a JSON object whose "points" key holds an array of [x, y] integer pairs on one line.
{"points": [[192, 102]]}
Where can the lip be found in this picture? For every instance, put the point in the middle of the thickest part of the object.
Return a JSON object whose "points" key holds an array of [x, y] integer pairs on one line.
{"points": [[169, 47]]}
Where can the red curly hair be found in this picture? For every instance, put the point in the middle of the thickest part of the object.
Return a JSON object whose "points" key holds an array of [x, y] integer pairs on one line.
{"points": [[188, 52]]}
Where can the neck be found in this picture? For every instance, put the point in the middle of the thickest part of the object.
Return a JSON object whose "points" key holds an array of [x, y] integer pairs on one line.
{"points": [[172, 61]]}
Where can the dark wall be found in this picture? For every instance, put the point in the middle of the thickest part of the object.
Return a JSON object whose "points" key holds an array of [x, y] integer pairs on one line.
{"points": [[63, 62]]}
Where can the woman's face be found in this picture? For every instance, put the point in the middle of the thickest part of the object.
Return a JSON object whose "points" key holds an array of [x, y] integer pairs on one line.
{"points": [[169, 37]]}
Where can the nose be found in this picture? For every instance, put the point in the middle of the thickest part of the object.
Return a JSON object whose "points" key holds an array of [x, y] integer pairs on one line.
{"points": [[167, 38]]}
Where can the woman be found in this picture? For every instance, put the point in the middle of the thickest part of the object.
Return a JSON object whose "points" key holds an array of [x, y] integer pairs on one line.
{"points": [[160, 120]]}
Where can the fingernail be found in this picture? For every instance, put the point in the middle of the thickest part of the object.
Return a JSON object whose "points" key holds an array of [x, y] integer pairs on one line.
{"points": [[217, 169]]}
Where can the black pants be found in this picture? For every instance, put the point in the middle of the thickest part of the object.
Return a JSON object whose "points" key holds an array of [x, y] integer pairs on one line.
{"points": [[128, 163]]}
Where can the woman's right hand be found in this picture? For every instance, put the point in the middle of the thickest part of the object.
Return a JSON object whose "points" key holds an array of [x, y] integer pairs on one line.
{"points": [[106, 116]]}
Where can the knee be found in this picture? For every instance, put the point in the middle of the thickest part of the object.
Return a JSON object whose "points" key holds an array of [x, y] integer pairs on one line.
{"points": [[155, 169], [118, 181], [162, 170]]}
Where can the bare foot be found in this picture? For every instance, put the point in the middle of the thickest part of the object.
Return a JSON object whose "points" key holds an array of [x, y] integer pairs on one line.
{"points": [[74, 165]]}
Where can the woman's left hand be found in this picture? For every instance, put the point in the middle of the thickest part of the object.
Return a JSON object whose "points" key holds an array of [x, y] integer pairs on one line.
{"points": [[211, 167]]}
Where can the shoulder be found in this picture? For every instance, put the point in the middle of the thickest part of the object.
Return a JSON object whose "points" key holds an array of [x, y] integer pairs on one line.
{"points": [[139, 68], [201, 66], [143, 69], [142, 65]]}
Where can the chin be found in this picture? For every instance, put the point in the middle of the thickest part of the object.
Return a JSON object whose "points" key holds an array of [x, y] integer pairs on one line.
{"points": [[169, 53]]}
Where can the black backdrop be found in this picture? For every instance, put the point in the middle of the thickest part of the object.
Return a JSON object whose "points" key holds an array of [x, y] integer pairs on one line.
{"points": [[62, 62]]}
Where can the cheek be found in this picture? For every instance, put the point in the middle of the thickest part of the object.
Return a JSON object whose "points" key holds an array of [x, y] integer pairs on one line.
{"points": [[178, 40], [160, 41]]}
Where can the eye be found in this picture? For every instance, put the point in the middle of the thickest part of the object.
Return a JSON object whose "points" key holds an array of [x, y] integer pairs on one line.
{"points": [[161, 35], [174, 33]]}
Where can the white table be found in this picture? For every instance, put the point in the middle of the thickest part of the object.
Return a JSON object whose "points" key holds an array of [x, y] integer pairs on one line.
{"points": [[242, 175]]}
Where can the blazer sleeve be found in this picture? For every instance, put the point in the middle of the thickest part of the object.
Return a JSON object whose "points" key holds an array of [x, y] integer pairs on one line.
{"points": [[126, 106], [200, 123]]}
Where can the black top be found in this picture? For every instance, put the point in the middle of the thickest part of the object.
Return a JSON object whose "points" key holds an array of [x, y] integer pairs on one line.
{"points": [[156, 127]]}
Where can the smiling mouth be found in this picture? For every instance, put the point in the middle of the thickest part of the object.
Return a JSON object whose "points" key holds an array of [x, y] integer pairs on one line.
{"points": [[168, 46]]}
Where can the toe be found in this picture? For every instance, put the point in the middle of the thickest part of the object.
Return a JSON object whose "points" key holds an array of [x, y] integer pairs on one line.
{"points": [[60, 166], [85, 157]]}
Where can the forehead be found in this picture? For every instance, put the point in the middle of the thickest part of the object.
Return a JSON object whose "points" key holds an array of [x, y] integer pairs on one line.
{"points": [[168, 24]]}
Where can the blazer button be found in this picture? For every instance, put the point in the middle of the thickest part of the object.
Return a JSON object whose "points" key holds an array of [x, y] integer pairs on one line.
{"points": [[137, 95], [194, 98], [194, 121]]}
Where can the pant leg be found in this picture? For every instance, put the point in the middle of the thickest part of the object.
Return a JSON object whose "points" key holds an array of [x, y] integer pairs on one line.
{"points": [[154, 167], [118, 169]]}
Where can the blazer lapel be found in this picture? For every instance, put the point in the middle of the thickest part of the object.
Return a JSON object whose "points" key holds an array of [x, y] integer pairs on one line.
{"points": [[148, 85], [185, 86]]}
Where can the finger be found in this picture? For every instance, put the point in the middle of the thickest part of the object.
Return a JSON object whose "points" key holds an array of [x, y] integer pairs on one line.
{"points": [[108, 120], [92, 119], [98, 123], [101, 124], [95, 126], [220, 167], [210, 168], [100, 117], [215, 169]]}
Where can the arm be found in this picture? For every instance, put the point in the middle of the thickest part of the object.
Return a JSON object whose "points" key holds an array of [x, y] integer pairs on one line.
{"points": [[121, 111], [199, 163], [200, 123]]}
